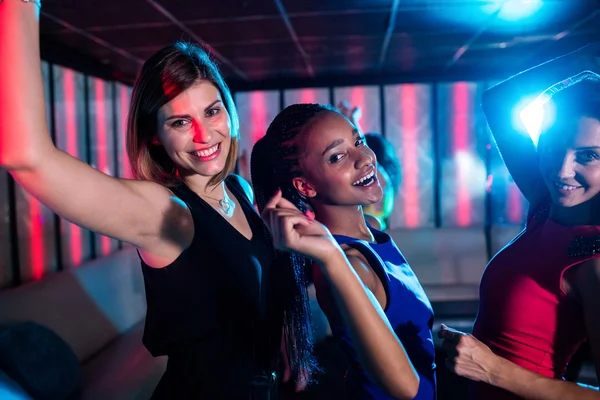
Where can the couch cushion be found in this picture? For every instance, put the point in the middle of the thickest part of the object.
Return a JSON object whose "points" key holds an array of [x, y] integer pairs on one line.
{"points": [[124, 370], [87, 306], [449, 262], [39, 361]]}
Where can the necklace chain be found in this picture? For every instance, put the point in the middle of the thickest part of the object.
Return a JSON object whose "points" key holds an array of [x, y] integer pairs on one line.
{"points": [[225, 204]]}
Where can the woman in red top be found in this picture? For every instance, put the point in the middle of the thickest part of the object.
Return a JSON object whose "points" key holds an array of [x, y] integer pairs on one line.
{"points": [[540, 295]]}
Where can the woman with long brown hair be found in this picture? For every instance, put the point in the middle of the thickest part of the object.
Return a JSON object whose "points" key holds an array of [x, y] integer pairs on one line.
{"points": [[217, 305]]}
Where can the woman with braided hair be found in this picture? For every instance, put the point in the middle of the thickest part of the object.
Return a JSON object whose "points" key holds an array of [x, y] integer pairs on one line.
{"points": [[318, 164]]}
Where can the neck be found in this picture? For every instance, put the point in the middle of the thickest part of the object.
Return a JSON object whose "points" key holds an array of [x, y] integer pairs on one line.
{"points": [[199, 184], [344, 220], [587, 213]]}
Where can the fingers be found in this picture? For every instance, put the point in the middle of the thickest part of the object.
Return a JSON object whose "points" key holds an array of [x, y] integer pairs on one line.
{"points": [[450, 334], [278, 201], [272, 203], [284, 226], [286, 204], [449, 347]]}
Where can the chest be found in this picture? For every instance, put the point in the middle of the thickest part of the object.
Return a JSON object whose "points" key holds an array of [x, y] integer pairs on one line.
{"points": [[522, 286], [239, 261]]}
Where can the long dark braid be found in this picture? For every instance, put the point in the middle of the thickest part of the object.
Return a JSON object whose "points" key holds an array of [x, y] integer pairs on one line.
{"points": [[274, 163]]}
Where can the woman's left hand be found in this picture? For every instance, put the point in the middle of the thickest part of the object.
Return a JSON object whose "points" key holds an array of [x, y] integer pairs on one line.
{"points": [[466, 356], [296, 232]]}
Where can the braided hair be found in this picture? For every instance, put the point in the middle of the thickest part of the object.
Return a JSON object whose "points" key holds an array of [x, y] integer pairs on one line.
{"points": [[274, 163]]}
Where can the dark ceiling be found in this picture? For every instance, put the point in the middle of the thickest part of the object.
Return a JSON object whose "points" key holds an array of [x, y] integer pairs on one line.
{"points": [[261, 43]]}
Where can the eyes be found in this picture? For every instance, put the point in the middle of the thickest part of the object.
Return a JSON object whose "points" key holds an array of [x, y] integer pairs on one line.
{"points": [[586, 156], [581, 156], [360, 142], [184, 123]]}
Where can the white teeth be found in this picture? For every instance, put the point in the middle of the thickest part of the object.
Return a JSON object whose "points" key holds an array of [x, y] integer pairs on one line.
{"points": [[364, 178], [564, 187], [206, 152]]}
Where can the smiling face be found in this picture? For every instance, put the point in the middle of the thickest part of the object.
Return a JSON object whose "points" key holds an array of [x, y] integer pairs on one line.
{"points": [[337, 166], [569, 160], [194, 129]]}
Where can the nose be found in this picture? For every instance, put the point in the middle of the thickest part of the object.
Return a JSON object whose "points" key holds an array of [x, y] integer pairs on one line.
{"points": [[364, 158], [565, 167], [202, 133]]}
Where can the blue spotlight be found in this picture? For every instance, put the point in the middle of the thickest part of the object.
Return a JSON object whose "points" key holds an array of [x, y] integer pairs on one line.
{"points": [[513, 10]]}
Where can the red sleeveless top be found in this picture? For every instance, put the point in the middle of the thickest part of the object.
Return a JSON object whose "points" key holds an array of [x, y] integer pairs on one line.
{"points": [[524, 315]]}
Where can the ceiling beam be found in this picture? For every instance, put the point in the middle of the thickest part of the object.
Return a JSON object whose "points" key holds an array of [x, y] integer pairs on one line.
{"points": [[561, 35], [93, 38], [465, 47], [288, 24], [224, 60], [388, 32]]}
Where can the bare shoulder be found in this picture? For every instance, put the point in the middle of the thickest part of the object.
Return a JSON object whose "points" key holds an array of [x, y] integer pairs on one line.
{"points": [[373, 221], [170, 226], [162, 199], [361, 266]]}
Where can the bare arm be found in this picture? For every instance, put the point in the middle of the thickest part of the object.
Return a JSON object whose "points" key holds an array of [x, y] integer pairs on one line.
{"points": [[517, 149], [127, 210], [532, 386], [470, 358], [347, 294], [381, 353]]}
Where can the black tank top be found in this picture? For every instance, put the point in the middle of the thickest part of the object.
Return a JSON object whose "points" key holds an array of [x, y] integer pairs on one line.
{"points": [[215, 311]]}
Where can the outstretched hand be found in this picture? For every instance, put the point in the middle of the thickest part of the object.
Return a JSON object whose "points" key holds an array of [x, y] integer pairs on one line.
{"points": [[466, 356], [295, 232], [354, 114]]}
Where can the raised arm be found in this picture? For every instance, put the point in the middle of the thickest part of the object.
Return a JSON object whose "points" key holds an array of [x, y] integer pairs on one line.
{"points": [[127, 210], [380, 352], [517, 149]]}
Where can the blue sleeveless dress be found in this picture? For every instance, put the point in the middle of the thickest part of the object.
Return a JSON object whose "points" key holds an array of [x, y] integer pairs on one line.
{"points": [[408, 310]]}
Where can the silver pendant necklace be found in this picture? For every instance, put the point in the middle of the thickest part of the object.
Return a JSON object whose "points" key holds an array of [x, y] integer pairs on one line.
{"points": [[226, 205]]}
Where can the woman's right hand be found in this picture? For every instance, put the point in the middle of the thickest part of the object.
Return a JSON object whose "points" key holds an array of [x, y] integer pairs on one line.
{"points": [[466, 356], [295, 232]]}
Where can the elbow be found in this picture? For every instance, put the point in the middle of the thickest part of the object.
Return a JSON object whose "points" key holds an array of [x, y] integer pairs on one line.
{"points": [[404, 389], [13, 160], [12, 164], [15, 164]]}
